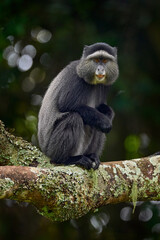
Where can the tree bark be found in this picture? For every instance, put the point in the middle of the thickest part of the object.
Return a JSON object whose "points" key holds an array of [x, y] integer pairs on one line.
{"points": [[65, 192]]}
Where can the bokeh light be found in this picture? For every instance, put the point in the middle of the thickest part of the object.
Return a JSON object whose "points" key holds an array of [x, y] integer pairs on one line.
{"points": [[37, 75], [20, 57], [36, 99], [41, 35], [25, 62], [99, 221], [145, 214], [29, 50], [156, 228], [28, 84], [126, 213]]}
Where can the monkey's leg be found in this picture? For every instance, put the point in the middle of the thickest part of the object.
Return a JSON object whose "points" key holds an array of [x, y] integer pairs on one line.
{"points": [[97, 143], [67, 140], [95, 147]]}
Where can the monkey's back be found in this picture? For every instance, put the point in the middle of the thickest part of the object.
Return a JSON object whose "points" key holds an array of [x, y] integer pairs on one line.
{"points": [[49, 112]]}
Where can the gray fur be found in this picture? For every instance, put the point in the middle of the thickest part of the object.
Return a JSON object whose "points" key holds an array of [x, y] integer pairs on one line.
{"points": [[63, 134]]}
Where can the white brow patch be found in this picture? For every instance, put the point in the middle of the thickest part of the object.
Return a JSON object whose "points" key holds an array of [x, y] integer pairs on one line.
{"points": [[100, 53]]}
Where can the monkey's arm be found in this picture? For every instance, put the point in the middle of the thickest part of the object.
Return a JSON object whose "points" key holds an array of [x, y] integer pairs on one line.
{"points": [[94, 118], [90, 116]]}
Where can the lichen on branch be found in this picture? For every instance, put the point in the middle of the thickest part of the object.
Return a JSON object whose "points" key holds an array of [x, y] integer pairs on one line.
{"points": [[18, 152], [65, 192]]}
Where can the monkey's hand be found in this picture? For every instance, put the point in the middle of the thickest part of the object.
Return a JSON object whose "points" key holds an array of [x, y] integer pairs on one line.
{"points": [[104, 125], [106, 110]]}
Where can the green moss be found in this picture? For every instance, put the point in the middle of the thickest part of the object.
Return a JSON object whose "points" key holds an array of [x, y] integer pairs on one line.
{"points": [[134, 194], [48, 213], [71, 191], [103, 173], [6, 185], [93, 174]]}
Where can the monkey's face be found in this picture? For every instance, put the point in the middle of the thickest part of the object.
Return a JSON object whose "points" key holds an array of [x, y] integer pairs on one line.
{"points": [[106, 71], [98, 69]]}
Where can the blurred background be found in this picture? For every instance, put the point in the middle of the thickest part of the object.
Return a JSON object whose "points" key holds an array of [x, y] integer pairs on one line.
{"points": [[37, 39]]}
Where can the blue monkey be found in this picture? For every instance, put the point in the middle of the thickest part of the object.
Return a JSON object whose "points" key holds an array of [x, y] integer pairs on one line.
{"points": [[74, 115]]}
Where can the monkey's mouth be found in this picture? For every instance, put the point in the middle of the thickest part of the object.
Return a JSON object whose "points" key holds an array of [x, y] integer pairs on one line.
{"points": [[100, 77]]}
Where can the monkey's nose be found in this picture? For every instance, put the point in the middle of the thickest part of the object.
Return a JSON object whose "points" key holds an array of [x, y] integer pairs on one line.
{"points": [[100, 71]]}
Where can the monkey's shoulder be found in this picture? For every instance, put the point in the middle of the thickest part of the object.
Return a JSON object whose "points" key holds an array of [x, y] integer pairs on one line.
{"points": [[68, 77], [71, 68]]}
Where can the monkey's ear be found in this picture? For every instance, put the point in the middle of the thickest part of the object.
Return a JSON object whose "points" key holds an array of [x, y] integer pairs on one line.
{"points": [[85, 47], [115, 51], [85, 50]]}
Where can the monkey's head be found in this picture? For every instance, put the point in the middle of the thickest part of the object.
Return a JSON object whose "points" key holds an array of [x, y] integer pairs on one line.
{"points": [[98, 64]]}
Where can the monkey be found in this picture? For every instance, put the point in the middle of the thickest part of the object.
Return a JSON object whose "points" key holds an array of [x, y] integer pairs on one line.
{"points": [[74, 116]]}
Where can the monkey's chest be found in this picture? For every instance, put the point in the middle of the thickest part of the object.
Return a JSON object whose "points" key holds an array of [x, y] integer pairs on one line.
{"points": [[95, 99], [91, 102]]}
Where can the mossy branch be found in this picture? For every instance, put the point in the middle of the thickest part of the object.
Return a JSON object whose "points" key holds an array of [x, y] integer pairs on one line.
{"points": [[61, 193]]}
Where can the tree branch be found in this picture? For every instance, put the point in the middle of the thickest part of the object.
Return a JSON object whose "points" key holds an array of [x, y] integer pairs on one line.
{"points": [[61, 193]]}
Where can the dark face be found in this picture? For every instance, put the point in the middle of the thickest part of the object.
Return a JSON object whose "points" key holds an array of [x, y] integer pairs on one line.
{"points": [[100, 68]]}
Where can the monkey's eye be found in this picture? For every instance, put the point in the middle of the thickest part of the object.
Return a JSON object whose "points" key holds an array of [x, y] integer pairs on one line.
{"points": [[96, 60], [104, 60]]}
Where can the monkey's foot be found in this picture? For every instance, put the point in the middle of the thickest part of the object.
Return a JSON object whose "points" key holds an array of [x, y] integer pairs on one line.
{"points": [[88, 161], [95, 160]]}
